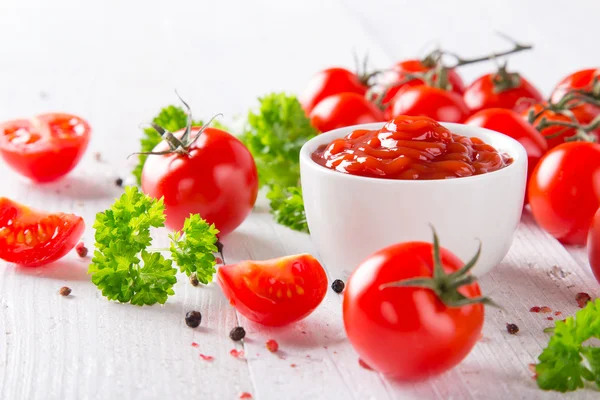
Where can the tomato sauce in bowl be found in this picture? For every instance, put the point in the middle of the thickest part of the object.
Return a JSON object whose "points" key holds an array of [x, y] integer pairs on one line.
{"points": [[410, 148]]}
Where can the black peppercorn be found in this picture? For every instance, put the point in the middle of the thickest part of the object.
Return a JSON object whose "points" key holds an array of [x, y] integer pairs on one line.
{"points": [[512, 328], [194, 279], [237, 333], [193, 318], [64, 291], [338, 286], [119, 182]]}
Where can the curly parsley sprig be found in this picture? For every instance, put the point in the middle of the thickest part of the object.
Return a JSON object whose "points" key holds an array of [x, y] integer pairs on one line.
{"points": [[123, 268], [566, 362], [274, 134]]}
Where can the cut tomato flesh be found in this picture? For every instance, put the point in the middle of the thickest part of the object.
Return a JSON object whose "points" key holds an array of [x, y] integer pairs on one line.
{"points": [[32, 238]]}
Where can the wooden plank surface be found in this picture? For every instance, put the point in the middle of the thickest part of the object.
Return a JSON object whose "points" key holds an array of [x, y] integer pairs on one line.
{"points": [[116, 63]]}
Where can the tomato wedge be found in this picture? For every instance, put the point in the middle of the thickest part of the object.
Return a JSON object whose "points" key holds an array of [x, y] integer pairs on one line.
{"points": [[44, 148], [275, 292], [32, 238]]}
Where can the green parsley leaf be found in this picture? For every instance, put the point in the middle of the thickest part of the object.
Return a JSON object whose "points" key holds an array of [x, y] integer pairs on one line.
{"points": [[566, 363], [193, 248], [274, 136], [122, 267], [287, 207], [122, 233], [172, 118]]}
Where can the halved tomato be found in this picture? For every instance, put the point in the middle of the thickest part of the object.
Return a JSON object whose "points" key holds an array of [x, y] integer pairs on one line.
{"points": [[32, 238], [46, 147], [275, 292]]}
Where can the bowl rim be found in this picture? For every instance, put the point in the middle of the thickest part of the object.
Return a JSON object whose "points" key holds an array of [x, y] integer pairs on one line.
{"points": [[516, 151]]}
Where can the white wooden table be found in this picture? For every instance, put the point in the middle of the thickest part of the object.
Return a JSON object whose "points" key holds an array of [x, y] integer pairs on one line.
{"points": [[117, 62]]}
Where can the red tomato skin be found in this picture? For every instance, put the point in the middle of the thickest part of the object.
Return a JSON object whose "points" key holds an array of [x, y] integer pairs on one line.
{"points": [[426, 101], [582, 79], [564, 191], [50, 158], [401, 69], [68, 232], [408, 333], [344, 109], [550, 132], [218, 180], [512, 124], [593, 245], [481, 94], [247, 286], [329, 82]]}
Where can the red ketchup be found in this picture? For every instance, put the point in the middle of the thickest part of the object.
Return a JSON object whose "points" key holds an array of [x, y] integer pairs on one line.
{"points": [[410, 148]]}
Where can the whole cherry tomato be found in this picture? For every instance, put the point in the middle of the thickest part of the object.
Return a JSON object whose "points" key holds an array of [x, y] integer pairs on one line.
{"points": [[584, 80], [427, 101], [46, 147], [215, 177], [32, 238], [275, 292], [500, 90], [329, 82], [593, 245], [344, 109], [557, 134], [564, 190], [399, 73], [512, 124], [402, 328]]}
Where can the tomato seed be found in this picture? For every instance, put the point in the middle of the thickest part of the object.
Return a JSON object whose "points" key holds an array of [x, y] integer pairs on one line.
{"points": [[245, 395], [512, 329], [545, 310], [535, 309], [550, 319], [193, 319], [557, 313], [194, 344], [81, 250], [293, 365], [582, 299], [272, 345], [338, 286], [64, 291], [206, 358], [237, 333]]}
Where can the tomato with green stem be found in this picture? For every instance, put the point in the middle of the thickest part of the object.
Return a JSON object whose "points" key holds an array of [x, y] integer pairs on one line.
{"points": [[330, 82], [583, 82], [415, 302], [46, 147], [344, 109], [501, 89], [274, 292], [564, 193], [202, 170], [33, 238], [512, 124], [559, 123]]}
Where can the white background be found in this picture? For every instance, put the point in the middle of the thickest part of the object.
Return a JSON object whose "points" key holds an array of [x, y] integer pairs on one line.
{"points": [[117, 62]]}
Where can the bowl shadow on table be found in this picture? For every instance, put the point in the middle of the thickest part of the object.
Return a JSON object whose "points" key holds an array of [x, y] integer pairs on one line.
{"points": [[65, 269], [76, 187]]}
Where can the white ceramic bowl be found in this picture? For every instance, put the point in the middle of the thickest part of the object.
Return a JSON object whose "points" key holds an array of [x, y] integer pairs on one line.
{"points": [[350, 217]]}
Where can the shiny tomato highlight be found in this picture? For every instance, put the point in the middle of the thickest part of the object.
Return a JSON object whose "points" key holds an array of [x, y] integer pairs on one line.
{"points": [[564, 193], [46, 147], [218, 180], [274, 292], [407, 332], [32, 238]]}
